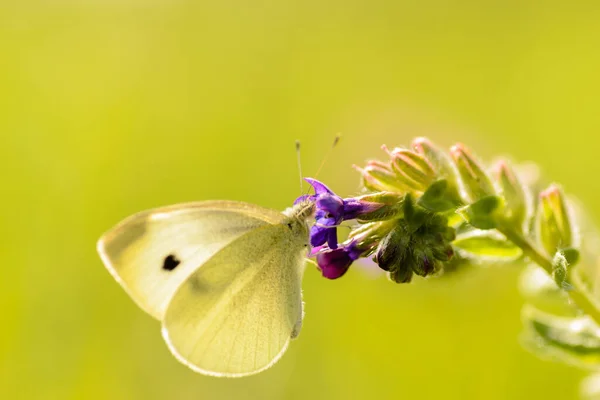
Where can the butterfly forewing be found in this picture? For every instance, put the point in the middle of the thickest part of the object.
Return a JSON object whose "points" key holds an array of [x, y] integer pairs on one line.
{"points": [[153, 252], [236, 314]]}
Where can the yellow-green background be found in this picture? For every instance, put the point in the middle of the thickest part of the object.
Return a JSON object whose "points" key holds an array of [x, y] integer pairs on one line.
{"points": [[108, 107]]}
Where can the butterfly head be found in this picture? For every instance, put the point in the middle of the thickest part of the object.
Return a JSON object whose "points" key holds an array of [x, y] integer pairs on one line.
{"points": [[297, 218]]}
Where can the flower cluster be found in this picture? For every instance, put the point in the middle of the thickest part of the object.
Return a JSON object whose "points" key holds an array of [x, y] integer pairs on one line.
{"points": [[423, 208], [425, 211]]}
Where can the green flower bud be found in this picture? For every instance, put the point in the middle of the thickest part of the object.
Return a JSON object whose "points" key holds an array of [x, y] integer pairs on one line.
{"points": [[411, 168], [477, 183], [378, 176], [517, 199], [445, 252], [436, 158], [392, 256], [401, 275], [559, 271], [392, 206], [423, 262], [554, 224], [418, 243], [442, 165]]}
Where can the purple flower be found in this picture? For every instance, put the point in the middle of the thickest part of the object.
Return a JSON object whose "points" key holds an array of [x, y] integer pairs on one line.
{"points": [[334, 263], [331, 210]]}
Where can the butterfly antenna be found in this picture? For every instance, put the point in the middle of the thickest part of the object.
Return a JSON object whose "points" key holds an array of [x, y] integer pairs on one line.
{"points": [[335, 142], [299, 163]]}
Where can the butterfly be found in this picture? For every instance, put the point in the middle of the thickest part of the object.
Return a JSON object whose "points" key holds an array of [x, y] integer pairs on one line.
{"points": [[223, 277]]}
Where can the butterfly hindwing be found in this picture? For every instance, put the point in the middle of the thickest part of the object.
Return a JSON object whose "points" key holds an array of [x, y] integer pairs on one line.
{"points": [[236, 314]]}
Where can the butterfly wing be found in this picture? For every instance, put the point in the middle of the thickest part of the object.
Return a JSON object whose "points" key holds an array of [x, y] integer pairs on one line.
{"points": [[236, 314], [153, 252]]}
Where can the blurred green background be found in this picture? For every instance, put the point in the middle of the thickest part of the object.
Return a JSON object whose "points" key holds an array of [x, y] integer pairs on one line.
{"points": [[111, 107]]}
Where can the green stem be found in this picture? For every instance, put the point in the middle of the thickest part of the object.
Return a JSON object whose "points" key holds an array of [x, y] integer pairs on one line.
{"points": [[579, 295]]}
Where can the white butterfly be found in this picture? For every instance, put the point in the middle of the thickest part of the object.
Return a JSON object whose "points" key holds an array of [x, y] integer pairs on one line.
{"points": [[223, 277]]}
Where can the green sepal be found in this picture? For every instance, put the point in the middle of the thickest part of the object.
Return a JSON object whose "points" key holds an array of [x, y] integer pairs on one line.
{"points": [[571, 255], [483, 214], [414, 215], [437, 197]]}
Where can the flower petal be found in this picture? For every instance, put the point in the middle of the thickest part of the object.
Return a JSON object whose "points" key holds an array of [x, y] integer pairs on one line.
{"points": [[334, 263], [318, 235], [331, 204], [316, 250], [323, 219], [332, 241], [354, 208], [304, 198], [319, 187]]}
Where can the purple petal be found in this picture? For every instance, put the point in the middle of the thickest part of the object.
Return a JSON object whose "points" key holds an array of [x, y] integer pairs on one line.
{"points": [[353, 252], [332, 241], [318, 235], [319, 187], [332, 204], [304, 198], [322, 219], [316, 250], [354, 208], [334, 263]]}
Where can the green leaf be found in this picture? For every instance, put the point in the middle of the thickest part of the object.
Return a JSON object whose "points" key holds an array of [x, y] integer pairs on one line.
{"points": [[487, 245], [437, 199], [483, 214], [575, 341]]}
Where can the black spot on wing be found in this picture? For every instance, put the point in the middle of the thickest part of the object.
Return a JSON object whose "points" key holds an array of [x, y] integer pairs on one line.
{"points": [[170, 262]]}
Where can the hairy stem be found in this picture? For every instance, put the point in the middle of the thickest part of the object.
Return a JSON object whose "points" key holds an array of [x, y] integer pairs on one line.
{"points": [[579, 295]]}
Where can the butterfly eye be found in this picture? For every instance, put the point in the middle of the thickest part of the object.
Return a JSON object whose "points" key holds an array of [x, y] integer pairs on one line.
{"points": [[170, 262]]}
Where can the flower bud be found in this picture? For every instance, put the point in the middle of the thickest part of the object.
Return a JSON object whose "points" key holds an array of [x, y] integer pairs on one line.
{"points": [[418, 243], [443, 167], [559, 271], [424, 263], [436, 158], [391, 206], [476, 182], [515, 195], [378, 176], [443, 253], [411, 168], [392, 256], [334, 263], [401, 275], [554, 224]]}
